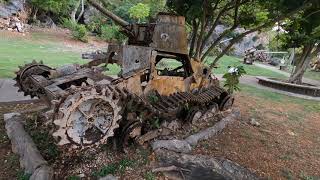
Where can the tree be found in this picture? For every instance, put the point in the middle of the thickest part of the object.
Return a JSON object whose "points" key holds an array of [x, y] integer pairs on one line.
{"points": [[303, 32], [139, 11], [75, 9], [58, 7], [203, 16]]}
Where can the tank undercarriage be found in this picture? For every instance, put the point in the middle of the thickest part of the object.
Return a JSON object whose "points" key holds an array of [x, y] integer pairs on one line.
{"points": [[88, 107]]}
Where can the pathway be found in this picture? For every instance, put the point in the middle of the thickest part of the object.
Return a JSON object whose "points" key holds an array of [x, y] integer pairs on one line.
{"points": [[9, 93], [253, 81]]}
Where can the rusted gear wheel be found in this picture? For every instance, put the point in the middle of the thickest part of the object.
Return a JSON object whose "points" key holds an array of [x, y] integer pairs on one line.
{"points": [[88, 117], [22, 76], [226, 103]]}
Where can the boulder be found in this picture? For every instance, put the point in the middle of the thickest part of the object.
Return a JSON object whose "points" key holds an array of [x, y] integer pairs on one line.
{"points": [[194, 167], [89, 14], [173, 145]]}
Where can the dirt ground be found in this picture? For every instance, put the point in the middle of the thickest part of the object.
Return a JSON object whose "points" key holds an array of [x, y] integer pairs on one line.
{"points": [[285, 146], [9, 162]]}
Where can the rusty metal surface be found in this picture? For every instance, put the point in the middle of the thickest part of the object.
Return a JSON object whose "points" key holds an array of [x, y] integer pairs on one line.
{"points": [[170, 34], [88, 116], [89, 107], [135, 58]]}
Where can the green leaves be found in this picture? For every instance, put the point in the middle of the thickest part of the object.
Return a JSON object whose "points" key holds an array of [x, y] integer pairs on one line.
{"points": [[232, 78], [139, 11], [302, 29], [55, 6]]}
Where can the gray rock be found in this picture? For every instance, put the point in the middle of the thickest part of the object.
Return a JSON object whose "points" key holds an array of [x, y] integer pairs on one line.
{"points": [[89, 14], [12, 7], [173, 145], [275, 61], [196, 167], [251, 40], [42, 173], [108, 177], [210, 132], [254, 122], [48, 22], [196, 117], [22, 144], [4, 13], [15, 5]]}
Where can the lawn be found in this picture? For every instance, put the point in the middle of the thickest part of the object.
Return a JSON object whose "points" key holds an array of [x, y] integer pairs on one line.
{"points": [[41, 46], [18, 51], [307, 105], [250, 69], [312, 75]]}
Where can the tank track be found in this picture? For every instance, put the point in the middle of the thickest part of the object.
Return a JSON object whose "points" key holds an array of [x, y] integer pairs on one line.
{"points": [[173, 103], [22, 77], [172, 106]]}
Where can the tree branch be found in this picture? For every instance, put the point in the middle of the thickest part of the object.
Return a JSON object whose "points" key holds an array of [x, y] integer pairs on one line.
{"points": [[195, 27], [216, 42], [203, 23], [106, 12], [238, 3], [82, 10], [239, 37]]}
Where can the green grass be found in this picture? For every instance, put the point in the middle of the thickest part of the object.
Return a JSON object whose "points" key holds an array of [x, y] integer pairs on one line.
{"points": [[308, 105], [250, 69], [42, 46], [118, 167], [17, 51], [312, 75]]}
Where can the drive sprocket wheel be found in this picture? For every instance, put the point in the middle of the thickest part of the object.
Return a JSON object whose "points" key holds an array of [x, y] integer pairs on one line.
{"points": [[23, 74], [88, 116]]}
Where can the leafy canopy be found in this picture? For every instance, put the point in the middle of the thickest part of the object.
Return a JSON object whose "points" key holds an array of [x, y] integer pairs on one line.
{"points": [[139, 11], [303, 29]]}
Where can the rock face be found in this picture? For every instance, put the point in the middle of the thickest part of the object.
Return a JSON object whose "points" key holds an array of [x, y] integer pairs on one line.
{"points": [[9, 15], [252, 40], [89, 13], [10, 8]]}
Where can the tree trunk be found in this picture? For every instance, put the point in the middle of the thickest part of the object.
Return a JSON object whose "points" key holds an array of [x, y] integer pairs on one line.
{"points": [[82, 10], [74, 11], [301, 67], [195, 27], [202, 24], [34, 14]]}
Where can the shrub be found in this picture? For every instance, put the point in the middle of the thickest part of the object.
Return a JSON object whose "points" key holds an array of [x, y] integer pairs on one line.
{"points": [[80, 33], [111, 33], [232, 78], [68, 23]]}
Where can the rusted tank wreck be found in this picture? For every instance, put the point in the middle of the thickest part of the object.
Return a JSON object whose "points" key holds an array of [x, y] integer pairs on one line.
{"points": [[158, 81]]}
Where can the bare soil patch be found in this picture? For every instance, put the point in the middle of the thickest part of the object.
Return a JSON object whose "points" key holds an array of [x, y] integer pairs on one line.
{"points": [[285, 146]]}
